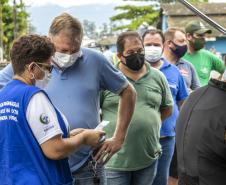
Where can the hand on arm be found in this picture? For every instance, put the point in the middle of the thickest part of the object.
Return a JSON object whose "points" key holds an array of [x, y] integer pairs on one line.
{"points": [[125, 112]]}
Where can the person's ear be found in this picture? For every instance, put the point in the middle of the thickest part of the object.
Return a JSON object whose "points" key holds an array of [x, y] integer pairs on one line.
{"points": [[119, 55], [188, 36], [168, 44], [31, 67], [50, 37]]}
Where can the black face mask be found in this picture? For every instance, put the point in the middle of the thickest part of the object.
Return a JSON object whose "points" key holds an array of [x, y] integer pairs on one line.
{"points": [[135, 61], [198, 43], [180, 50]]}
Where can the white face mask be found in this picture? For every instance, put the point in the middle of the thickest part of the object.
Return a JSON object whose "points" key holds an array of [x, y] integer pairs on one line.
{"points": [[65, 60], [153, 53], [224, 76], [42, 83]]}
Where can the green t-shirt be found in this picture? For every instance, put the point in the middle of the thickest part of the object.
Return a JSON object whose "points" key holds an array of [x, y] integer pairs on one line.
{"points": [[141, 146], [204, 62]]}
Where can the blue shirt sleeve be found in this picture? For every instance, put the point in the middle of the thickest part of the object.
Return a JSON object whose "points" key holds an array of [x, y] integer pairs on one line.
{"points": [[182, 90], [111, 78], [6, 75]]}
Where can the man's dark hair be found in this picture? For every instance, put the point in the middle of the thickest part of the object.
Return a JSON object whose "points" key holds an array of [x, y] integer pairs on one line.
{"points": [[30, 48], [123, 36], [154, 32]]}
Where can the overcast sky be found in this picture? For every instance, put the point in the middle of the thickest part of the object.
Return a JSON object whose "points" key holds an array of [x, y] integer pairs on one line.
{"points": [[68, 3]]}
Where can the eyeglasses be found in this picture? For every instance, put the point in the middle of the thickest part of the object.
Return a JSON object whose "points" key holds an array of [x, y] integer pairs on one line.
{"points": [[141, 51], [47, 67]]}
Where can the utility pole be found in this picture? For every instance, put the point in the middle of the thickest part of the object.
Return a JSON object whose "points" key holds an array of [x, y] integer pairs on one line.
{"points": [[1, 31], [14, 19]]}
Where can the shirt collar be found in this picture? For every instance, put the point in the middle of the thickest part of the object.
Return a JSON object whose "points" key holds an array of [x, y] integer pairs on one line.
{"points": [[180, 61], [165, 63]]}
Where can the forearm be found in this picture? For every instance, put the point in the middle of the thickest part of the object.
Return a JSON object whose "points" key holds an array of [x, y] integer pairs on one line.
{"points": [[59, 148], [165, 112], [180, 103], [125, 112]]}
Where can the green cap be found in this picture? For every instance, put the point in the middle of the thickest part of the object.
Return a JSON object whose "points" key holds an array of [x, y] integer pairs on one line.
{"points": [[196, 27]]}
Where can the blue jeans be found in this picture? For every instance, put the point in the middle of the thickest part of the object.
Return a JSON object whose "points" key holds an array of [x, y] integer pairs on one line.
{"points": [[168, 144], [140, 177], [85, 175]]}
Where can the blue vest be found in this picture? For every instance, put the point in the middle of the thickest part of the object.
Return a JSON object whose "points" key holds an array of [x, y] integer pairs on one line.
{"points": [[21, 158]]}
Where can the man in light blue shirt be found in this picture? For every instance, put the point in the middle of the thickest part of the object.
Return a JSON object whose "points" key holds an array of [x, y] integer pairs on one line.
{"points": [[79, 74]]}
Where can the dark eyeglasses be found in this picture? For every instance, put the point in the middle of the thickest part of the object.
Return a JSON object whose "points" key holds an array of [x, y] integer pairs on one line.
{"points": [[131, 52], [47, 67]]}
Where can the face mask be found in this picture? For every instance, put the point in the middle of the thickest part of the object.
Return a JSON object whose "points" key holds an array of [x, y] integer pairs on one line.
{"points": [[153, 53], [135, 61], [224, 76], [198, 43], [42, 83], [64, 60], [180, 50]]}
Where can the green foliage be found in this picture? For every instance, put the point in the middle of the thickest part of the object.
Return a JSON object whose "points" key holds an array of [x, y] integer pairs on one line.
{"points": [[136, 15], [9, 31], [94, 32]]}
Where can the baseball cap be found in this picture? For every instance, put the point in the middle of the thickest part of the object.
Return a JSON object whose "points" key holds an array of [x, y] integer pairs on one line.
{"points": [[196, 27]]}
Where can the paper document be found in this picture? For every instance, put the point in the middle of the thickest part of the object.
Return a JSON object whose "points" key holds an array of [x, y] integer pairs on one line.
{"points": [[102, 124]]}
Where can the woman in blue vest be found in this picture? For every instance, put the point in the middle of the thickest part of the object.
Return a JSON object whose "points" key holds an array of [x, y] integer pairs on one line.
{"points": [[33, 133]]}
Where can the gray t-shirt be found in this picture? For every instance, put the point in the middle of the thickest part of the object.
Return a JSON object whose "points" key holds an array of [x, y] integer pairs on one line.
{"points": [[189, 74]]}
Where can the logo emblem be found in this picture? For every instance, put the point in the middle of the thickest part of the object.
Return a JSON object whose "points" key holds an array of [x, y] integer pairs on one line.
{"points": [[44, 119]]}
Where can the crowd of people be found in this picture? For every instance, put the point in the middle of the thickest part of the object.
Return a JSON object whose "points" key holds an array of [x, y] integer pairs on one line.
{"points": [[166, 118]]}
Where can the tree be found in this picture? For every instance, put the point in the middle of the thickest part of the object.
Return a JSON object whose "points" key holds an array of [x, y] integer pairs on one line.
{"points": [[104, 29], [89, 29], [13, 23], [136, 15]]}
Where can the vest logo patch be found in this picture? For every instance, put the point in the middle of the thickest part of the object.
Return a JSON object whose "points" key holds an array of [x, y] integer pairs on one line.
{"points": [[44, 119]]}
